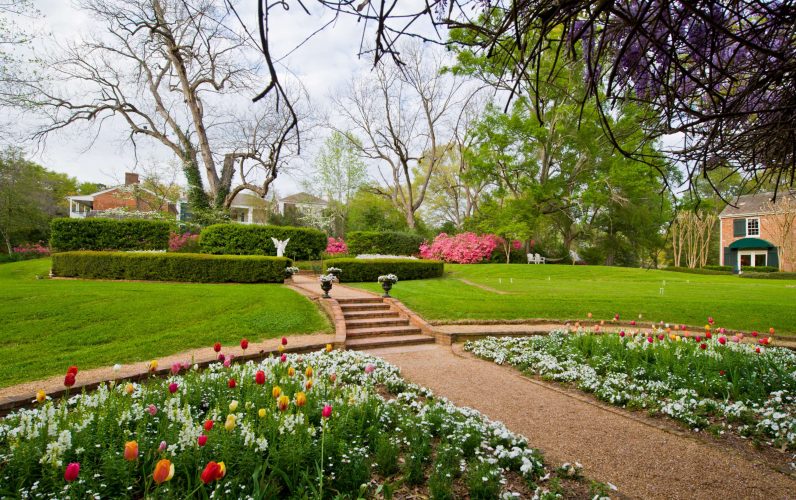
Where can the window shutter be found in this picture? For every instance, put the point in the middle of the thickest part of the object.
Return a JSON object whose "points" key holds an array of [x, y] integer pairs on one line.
{"points": [[772, 259], [739, 227]]}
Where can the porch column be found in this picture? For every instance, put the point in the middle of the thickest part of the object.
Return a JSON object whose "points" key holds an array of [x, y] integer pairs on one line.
{"points": [[251, 215]]}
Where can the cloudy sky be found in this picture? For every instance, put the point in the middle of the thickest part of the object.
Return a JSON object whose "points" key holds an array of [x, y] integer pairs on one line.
{"points": [[324, 64]]}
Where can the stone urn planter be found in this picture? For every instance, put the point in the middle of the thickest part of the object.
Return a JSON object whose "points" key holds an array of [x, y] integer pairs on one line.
{"points": [[326, 284], [387, 281]]}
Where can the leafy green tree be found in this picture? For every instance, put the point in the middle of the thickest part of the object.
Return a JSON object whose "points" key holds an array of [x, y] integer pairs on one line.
{"points": [[30, 196], [368, 211], [339, 173]]}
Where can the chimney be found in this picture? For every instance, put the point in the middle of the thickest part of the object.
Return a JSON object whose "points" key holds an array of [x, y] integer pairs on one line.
{"points": [[130, 178]]}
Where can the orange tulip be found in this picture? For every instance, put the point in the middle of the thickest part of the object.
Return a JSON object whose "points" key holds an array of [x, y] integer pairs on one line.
{"points": [[308, 372], [283, 402], [301, 399], [291, 371], [276, 391], [41, 396], [164, 471], [131, 451], [308, 384]]}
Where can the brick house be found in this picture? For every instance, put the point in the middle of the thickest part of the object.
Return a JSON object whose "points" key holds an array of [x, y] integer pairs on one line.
{"points": [[749, 232], [129, 195]]}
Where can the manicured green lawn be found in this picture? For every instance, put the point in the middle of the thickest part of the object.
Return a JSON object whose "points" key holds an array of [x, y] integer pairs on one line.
{"points": [[571, 292], [46, 325]]}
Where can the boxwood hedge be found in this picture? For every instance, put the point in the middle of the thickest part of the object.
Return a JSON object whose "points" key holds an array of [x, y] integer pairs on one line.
{"points": [[383, 242], [238, 239], [769, 275], [108, 234], [191, 267], [355, 270]]}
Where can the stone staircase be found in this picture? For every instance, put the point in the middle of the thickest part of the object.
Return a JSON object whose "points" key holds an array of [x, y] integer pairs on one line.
{"points": [[370, 323]]}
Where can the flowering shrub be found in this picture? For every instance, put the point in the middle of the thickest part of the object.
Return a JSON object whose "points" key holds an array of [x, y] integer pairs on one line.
{"points": [[186, 242], [293, 426], [336, 246], [463, 248], [30, 251], [712, 380]]}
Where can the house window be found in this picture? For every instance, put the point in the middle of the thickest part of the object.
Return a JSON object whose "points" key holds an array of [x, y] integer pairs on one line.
{"points": [[752, 227]]}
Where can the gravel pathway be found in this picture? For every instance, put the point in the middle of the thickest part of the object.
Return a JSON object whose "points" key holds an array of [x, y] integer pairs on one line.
{"points": [[642, 459]]}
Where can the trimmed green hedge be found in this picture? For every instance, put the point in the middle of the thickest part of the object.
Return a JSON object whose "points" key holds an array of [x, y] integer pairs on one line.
{"points": [[192, 267], [760, 269], [358, 270], [383, 242], [239, 239], [108, 234], [695, 270], [719, 268], [769, 275]]}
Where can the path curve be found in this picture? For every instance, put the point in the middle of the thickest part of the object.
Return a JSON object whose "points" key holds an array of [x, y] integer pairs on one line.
{"points": [[643, 461]]}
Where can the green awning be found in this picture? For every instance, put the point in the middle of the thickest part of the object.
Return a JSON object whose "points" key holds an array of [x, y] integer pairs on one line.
{"points": [[751, 243]]}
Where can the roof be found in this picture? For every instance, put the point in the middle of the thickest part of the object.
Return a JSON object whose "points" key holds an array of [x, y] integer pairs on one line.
{"points": [[754, 204], [248, 199], [303, 199], [90, 197]]}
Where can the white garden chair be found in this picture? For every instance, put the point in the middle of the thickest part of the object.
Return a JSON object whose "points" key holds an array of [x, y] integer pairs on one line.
{"points": [[531, 259], [539, 259]]}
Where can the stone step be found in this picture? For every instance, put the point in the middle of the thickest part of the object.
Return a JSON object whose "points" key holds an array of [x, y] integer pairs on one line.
{"points": [[361, 300], [382, 331], [352, 324], [364, 306], [399, 340], [356, 315]]}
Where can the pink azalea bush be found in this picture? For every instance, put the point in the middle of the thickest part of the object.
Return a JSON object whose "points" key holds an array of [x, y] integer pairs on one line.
{"points": [[463, 248], [31, 251], [336, 246], [183, 242]]}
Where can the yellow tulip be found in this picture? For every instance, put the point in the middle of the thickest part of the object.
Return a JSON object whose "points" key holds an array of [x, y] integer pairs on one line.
{"points": [[301, 399], [41, 396], [153, 365], [164, 471], [328, 347], [129, 388], [230, 423], [281, 348], [308, 384], [276, 391], [308, 372], [233, 405], [261, 413], [291, 371], [283, 402]]}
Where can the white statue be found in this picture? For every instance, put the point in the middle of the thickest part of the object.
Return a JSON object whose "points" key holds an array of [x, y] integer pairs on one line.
{"points": [[280, 246]]}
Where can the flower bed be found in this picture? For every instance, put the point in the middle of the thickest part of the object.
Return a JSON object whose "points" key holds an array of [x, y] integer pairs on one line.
{"points": [[703, 382], [329, 423]]}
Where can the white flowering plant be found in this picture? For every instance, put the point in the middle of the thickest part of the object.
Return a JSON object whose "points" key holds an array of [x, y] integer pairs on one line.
{"points": [[326, 278], [291, 270], [710, 381], [388, 278], [296, 425]]}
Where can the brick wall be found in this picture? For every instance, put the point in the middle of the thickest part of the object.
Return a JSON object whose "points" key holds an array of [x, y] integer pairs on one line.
{"points": [[765, 234]]}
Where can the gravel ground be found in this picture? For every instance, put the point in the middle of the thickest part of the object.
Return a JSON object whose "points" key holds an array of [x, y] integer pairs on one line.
{"points": [[643, 459]]}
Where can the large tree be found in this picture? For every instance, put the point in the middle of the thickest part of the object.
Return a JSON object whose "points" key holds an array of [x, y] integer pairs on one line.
{"points": [[174, 72], [400, 117], [718, 74]]}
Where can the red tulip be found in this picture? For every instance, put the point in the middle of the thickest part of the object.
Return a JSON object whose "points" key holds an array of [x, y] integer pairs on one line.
{"points": [[710, 320], [259, 377], [708, 335], [208, 425], [633, 323], [722, 340], [221, 357], [327, 411], [69, 379], [698, 338], [217, 347], [72, 369], [283, 358], [754, 334], [213, 472], [71, 472], [757, 350], [173, 387], [703, 346], [621, 333], [721, 372], [650, 339], [231, 384], [201, 440], [244, 344], [284, 340], [661, 336]]}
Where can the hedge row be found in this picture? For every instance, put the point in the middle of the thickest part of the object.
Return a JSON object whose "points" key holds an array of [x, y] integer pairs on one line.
{"points": [[696, 270], [357, 270], [191, 267], [383, 242], [240, 239], [108, 234], [769, 275]]}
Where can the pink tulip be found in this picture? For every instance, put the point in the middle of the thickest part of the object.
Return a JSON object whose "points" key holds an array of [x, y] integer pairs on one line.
{"points": [[369, 368], [152, 410], [71, 472], [327, 411], [201, 440], [621, 333], [173, 387], [735, 339], [162, 446], [283, 358], [175, 368], [227, 363]]}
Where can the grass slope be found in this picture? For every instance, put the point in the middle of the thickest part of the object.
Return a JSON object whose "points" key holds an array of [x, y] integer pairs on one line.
{"points": [[49, 324], [571, 292]]}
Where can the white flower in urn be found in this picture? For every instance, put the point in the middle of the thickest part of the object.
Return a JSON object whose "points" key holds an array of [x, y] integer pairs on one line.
{"points": [[291, 270], [388, 278]]}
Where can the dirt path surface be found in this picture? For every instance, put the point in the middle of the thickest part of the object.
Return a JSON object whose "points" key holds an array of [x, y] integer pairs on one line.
{"points": [[642, 460]]}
